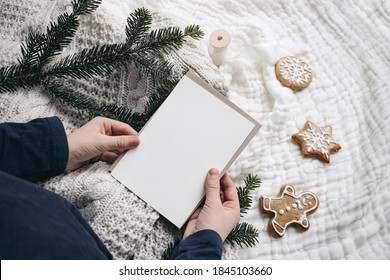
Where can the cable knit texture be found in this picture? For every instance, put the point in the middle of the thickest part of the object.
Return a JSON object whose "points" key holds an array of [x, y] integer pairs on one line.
{"points": [[128, 227]]}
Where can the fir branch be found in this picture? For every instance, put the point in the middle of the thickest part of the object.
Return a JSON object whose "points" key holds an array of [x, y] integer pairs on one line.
{"points": [[58, 36], [88, 63], [244, 193], [159, 69], [16, 76], [194, 31], [84, 7], [243, 233], [72, 97], [160, 41], [31, 48], [166, 39], [141, 48], [84, 103], [252, 182], [40, 48], [138, 24], [120, 113], [103, 60]]}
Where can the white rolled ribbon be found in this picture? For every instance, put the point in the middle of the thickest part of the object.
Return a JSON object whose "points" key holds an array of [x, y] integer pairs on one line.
{"points": [[218, 46]]}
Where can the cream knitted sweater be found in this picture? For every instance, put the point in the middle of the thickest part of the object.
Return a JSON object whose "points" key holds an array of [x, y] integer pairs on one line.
{"points": [[128, 227]]}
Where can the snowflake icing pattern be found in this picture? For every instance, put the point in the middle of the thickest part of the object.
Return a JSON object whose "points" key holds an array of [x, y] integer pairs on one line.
{"points": [[317, 138], [293, 69]]}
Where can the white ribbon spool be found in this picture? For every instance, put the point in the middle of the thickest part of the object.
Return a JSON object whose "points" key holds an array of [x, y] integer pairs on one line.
{"points": [[218, 42]]}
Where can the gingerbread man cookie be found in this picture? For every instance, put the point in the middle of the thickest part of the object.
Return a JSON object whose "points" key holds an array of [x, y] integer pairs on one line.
{"points": [[289, 209], [293, 72], [316, 141]]}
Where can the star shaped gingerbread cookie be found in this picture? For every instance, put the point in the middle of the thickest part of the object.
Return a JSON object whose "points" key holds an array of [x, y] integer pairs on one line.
{"points": [[316, 141]]}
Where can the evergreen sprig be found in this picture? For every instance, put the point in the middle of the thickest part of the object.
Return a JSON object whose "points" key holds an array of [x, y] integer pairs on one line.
{"points": [[92, 108], [138, 24], [58, 36], [40, 48], [243, 233], [84, 7], [159, 70], [17, 76], [194, 31], [30, 49], [143, 48], [252, 182], [160, 40], [92, 62]]}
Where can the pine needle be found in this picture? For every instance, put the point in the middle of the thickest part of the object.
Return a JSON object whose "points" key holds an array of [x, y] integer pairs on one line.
{"points": [[84, 7], [252, 182], [159, 70], [17, 76], [243, 233], [88, 63], [160, 41], [31, 48], [138, 24], [58, 36], [194, 31]]}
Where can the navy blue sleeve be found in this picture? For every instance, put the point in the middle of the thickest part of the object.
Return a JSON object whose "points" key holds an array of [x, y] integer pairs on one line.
{"points": [[38, 224], [202, 245], [33, 151]]}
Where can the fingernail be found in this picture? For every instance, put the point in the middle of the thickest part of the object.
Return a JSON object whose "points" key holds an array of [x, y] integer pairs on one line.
{"points": [[213, 172], [136, 140]]}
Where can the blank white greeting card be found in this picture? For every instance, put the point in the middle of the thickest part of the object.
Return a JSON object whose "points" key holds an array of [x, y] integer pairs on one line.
{"points": [[195, 129]]}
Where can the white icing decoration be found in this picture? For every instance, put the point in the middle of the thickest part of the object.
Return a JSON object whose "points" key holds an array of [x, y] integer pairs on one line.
{"points": [[294, 70], [288, 208], [294, 206], [317, 139], [281, 212], [303, 217], [304, 200], [299, 204]]}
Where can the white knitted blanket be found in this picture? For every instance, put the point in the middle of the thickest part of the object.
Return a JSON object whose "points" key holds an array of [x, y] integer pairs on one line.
{"points": [[346, 43]]}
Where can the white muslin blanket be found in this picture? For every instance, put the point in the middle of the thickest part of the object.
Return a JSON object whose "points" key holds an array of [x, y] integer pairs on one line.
{"points": [[347, 44]]}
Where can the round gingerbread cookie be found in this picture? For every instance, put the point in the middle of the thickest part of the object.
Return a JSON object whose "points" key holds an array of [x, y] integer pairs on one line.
{"points": [[293, 72]]}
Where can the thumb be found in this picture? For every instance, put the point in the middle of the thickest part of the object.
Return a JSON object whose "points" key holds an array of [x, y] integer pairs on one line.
{"points": [[213, 186], [122, 142]]}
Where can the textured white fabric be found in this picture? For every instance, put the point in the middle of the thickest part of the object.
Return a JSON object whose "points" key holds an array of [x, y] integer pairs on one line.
{"points": [[346, 43]]}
